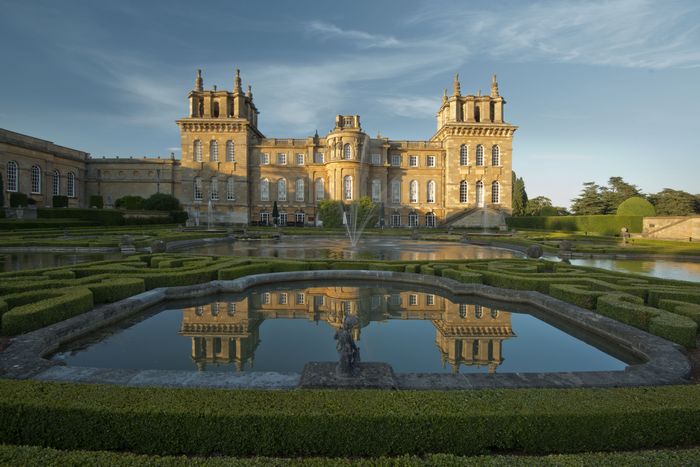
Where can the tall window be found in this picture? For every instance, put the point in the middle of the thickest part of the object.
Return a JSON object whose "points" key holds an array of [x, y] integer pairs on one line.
{"points": [[431, 191], [320, 189], [413, 161], [464, 155], [480, 194], [376, 190], [462, 310], [318, 158], [299, 189], [36, 179], [395, 191], [495, 155], [300, 159], [230, 151], [299, 217], [347, 152], [376, 159], [213, 151], [12, 176], [264, 190], [413, 191], [281, 159], [283, 219], [430, 161], [214, 194], [495, 193], [230, 189], [282, 189], [463, 191], [71, 185], [265, 220], [430, 219], [413, 220], [396, 160], [347, 187], [56, 183], [264, 159], [197, 151], [197, 189], [479, 155], [396, 220]]}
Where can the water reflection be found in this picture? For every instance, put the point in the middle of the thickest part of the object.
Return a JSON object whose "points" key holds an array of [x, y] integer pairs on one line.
{"points": [[281, 329], [664, 269], [367, 248]]}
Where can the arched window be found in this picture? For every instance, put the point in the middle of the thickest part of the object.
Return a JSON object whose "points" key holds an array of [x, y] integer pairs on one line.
{"points": [[462, 310], [282, 189], [264, 190], [299, 189], [230, 189], [347, 152], [495, 193], [463, 191], [495, 155], [36, 179], [71, 185], [430, 219], [12, 176], [56, 183], [395, 191], [494, 314], [230, 154], [431, 191], [376, 190], [197, 189], [480, 194], [464, 155], [478, 312], [214, 194], [347, 187], [213, 151], [216, 110], [320, 189], [480, 155], [197, 151], [413, 191]]}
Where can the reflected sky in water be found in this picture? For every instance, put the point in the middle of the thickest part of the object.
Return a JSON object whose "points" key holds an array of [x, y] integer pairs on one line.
{"points": [[281, 329], [664, 269]]}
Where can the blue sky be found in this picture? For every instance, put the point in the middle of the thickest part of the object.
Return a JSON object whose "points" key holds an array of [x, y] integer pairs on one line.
{"points": [[598, 88]]}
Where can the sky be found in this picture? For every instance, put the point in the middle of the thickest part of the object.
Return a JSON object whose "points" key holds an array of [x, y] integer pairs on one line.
{"points": [[597, 88]]}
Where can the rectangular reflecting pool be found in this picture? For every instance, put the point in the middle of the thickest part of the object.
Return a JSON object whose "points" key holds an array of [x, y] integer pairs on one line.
{"points": [[280, 329]]}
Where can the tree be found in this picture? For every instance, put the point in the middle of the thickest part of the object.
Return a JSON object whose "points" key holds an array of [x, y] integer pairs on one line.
{"points": [[275, 213], [536, 205], [670, 202], [331, 213], [161, 202], [590, 201], [616, 192], [519, 201]]}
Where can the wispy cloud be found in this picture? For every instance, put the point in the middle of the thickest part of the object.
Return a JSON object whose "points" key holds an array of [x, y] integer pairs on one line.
{"points": [[410, 106], [360, 38], [623, 33]]}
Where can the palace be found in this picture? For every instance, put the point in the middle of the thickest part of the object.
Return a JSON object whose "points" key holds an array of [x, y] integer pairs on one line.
{"points": [[461, 176]]}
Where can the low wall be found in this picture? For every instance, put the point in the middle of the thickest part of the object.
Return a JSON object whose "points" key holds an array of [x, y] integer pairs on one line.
{"points": [[686, 228]]}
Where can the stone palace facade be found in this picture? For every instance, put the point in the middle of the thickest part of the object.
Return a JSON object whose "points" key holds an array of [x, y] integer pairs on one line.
{"points": [[461, 176]]}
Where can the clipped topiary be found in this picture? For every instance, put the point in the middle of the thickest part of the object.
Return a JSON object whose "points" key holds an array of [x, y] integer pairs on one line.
{"points": [[636, 206], [161, 202]]}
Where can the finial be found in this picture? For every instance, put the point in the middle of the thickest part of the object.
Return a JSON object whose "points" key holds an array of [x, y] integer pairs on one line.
{"points": [[494, 86], [215, 88], [479, 94], [457, 91], [198, 86], [237, 81], [444, 96], [316, 134], [249, 94]]}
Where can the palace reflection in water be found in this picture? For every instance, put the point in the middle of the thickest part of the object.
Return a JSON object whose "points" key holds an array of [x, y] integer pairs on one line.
{"points": [[228, 331]]}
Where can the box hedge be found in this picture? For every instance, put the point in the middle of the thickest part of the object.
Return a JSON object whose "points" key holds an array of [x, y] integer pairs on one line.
{"points": [[114, 290], [297, 423], [38, 314], [101, 216], [602, 224]]}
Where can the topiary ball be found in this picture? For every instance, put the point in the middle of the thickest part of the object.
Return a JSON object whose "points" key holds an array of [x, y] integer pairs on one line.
{"points": [[636, 206]]}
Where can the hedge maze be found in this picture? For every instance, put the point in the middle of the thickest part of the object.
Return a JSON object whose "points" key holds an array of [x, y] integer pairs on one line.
{"points": [[35, 298]]}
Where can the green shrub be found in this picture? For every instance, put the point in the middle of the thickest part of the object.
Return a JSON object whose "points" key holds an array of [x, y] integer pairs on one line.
{"points": [[96, 201], [607, 225], [131, 203], [60, 274], [18, 200], [691, 310], [636, 206], [349, 265], [113, 290], [161, 202], [38, 314], [676, 328], [243, 270], [577, 294], [331, 213], [59, 201], [178, 217], [387, 267], [297, 423], [467, 277], [284, 266], [101, 216]]}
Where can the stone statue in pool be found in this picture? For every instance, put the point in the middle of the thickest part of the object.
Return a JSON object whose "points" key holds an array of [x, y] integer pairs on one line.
{"points": [[349, 353]]}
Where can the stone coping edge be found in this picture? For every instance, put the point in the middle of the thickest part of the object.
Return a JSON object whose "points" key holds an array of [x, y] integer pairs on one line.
{"points": [[663, 361]]}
